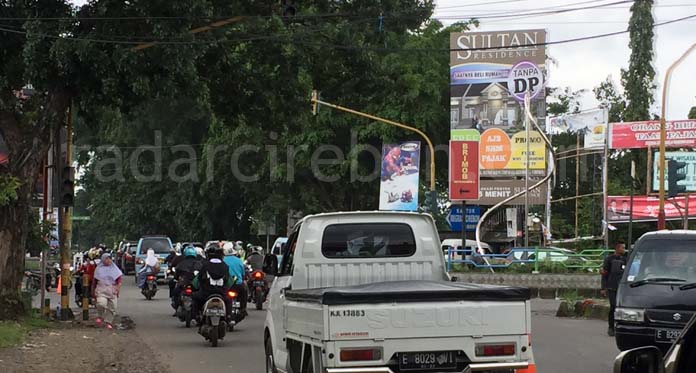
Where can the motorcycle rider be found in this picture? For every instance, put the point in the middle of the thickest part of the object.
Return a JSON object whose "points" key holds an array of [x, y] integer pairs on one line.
{"points": [[150, 267], [184, 270], [213, 278], [236, 269], [255, 258]]}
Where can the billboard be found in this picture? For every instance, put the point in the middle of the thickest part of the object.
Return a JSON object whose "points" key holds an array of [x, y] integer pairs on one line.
{"points": [[494, 191], [503, 155], [690, 170], [398, 189], [593, 123], [464, 170], [645, 208], [632, 135], [479, 95]]}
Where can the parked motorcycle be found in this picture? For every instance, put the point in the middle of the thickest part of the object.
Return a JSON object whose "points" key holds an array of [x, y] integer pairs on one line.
{"points": [[213, 324], [258, 288], [150, 288], [183, 312], [79, 290], [32, 281]]}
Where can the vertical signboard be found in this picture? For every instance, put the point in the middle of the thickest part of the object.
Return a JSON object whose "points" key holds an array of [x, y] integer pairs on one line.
{"points": [[400, 167], [464, 170]]}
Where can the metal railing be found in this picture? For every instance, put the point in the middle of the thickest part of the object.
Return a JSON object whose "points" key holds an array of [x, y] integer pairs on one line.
{"points": [[588, 259]]}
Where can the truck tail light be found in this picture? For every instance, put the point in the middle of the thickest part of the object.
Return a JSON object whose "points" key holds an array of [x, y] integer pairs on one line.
{"points": [[363, 354], [495, 349]]}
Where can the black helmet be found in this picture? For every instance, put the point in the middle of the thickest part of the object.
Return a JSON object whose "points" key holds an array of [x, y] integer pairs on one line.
{"points": [[214, 251]]}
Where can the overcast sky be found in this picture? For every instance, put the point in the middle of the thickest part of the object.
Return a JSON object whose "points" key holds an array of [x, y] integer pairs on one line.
{"points": [[583, 65]]}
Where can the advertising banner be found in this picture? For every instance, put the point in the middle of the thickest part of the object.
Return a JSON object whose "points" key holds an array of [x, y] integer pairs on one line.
{"points": [[502, 155], [690, 170], [464, 170], [632, 135], [400, 167], [593, 123], [494, 191], [645, 208], [479, 94]]}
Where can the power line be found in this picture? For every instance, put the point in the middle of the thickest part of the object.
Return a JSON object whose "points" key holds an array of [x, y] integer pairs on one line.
{"points": [[479, 4], [327, 45], [534, 9]]}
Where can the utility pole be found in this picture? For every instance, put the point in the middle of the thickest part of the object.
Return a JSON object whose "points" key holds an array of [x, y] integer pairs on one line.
{"points": [[663, 136], [64, 224]]}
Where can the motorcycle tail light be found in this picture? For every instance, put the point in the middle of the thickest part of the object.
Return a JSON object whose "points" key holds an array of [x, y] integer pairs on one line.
{"points": [[258, 275], [232, 294], [188, 291], [150, 278]]}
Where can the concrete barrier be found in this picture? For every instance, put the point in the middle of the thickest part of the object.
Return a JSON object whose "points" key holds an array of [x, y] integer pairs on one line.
{"points": [[547, 286]]}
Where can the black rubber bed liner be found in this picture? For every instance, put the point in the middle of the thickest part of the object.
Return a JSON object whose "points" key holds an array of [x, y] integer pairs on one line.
{"points": [[409, 291]]}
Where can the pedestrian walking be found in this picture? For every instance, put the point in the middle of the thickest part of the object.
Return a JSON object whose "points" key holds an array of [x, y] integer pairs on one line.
{"points": [[612, 270], [107, 285]]}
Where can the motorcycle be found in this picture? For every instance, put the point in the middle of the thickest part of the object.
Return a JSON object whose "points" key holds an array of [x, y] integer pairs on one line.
{"points": [[80, 291], [150, 288], [183, 312], [258, 288], [234, 317], [213, 325], [32, 283]]}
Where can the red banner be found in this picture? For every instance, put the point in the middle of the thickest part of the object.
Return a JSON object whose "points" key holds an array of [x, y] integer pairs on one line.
{"points": [[680, 133], [464, 170], [645, 208]]}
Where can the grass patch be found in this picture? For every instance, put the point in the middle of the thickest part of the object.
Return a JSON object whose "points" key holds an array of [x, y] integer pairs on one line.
{"points": [[12, 333]]}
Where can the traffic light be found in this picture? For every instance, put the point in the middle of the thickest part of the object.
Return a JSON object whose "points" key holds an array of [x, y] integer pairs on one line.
{"points": [[67, 187], [430, 201], [674, 175]]}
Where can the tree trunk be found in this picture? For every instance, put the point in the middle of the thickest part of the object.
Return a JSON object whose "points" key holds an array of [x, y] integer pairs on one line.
{"points": [[13, 233], [28, 145]]}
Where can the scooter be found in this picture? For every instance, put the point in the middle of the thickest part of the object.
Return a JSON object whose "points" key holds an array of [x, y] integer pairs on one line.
{"points": [[185, 306], [213, 324], [258, 288], [234, 317], [150, 288]]}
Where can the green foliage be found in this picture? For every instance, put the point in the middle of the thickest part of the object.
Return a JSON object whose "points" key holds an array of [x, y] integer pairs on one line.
{"points": [[638, 80], [8, 188], [609, 96], [692, 113], [13, 333], [564, 101]]}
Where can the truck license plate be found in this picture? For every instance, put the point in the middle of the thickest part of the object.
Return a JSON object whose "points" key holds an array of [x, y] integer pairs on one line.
{"points": [[433, 360], [666, 335]]}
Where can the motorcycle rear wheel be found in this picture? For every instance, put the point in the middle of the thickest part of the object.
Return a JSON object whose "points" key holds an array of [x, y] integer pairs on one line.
{"points": [[188, 319], [258, 299], [214, 336]]}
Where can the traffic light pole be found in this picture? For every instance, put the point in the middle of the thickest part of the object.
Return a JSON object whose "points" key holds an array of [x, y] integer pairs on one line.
{"points": [[663, 135], [316, 101]]}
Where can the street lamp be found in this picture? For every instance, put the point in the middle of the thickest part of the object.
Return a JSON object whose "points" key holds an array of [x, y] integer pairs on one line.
{"points": [[663, 135]]}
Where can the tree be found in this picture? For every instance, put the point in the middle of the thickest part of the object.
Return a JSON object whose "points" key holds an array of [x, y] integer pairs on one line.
{"points": [[692, 113], [608, 95], [26, 122], [638, 80]]}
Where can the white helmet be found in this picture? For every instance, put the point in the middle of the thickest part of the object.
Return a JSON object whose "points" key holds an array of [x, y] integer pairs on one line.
{"points": [[228, 248], [199, 251]]}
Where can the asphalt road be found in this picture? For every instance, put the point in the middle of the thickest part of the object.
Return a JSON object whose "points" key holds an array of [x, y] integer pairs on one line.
{"points": [[184, 349], [560, 345], [564, 345]]}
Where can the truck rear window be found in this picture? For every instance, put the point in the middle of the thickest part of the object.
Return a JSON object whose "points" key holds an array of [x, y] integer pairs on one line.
{"points": [[380, 240]]}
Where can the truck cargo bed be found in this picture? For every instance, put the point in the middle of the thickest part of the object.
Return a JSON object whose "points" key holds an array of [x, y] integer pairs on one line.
{"points": [[408, 291]]}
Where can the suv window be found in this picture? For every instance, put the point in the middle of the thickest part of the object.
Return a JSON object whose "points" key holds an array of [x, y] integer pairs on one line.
{"points": [[379, 240], [160, 245]]}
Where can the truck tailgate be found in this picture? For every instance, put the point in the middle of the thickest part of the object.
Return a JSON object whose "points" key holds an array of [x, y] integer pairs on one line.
{"points": [[403, 309]]}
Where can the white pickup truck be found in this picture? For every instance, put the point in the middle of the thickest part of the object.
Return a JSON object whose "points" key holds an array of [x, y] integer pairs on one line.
{"points": [[361, 292]]}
